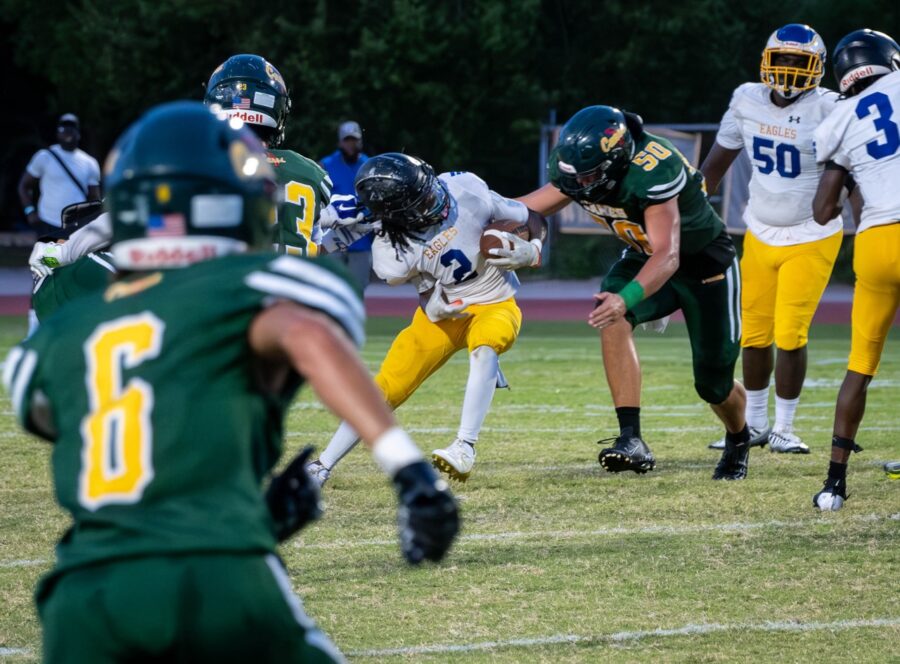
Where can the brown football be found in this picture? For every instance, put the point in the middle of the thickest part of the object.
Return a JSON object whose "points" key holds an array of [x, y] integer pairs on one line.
{"points": [[492, 236]]}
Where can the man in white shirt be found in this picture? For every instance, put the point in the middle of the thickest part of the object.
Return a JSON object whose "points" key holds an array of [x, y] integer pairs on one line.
{"points": [[788, 257], [66, 174]]}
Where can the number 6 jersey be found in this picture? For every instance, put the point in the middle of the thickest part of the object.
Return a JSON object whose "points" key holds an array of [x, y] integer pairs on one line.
{"points": [[779, 143], [450, 252], [863, 136]]}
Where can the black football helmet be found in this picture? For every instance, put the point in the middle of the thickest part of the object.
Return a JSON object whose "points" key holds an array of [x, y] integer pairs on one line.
{"points": [[593, 153], [404, 193], [862, 57], [249, 87]]}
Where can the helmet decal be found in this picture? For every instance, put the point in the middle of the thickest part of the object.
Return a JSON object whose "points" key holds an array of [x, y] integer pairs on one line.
{"points": [[613, 138]]}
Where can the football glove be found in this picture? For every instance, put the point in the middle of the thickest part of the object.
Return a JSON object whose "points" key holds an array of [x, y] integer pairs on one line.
{"points": [[428, 517], [44, 258], [293, 497], [522, 254], [341, 211], [437, 308]]}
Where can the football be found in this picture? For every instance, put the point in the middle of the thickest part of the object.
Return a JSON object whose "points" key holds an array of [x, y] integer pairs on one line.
{"points": [[492, 236]]}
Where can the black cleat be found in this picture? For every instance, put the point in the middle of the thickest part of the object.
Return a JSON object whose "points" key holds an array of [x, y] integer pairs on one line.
{"points": [[733, 464], [627, 453]]}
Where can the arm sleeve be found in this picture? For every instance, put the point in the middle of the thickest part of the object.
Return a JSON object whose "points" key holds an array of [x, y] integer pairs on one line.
{"points": [[91, 237], [504, 208], [313, 285], [20, 378], [37, 164], [729, 135]]}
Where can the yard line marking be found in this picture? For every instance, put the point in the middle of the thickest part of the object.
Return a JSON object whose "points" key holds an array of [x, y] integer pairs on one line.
{"points": [[619, 637], [545, 535], [33, 562], [9, 652]]}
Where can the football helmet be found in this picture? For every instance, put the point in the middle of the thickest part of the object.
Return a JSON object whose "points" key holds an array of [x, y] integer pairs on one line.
{"points": [[185, 184], [793, 60], [249, 87], [861, 57], [592, 155], [402, 192]]}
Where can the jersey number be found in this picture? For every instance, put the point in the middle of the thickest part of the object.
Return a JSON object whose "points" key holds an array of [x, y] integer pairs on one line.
{"points": [[651, 155], [304, 197], [786, 161], [883, 123], [632, 234], [462, 273], [117, 434]]}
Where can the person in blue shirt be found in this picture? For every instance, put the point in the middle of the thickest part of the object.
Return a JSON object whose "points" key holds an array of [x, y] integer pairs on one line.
{"points": [[342, 166]]}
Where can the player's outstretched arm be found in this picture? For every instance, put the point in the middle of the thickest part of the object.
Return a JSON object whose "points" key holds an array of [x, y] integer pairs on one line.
{"points": [[547, 200], [827, 201], [716, 164], [316, 348]]}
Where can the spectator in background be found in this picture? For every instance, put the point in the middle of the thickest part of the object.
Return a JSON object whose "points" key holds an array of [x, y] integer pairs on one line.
{"points": [[342, 166], [66, 174]]}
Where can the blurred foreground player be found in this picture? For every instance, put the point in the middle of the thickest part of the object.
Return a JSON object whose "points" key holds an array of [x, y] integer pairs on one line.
{"points": [[862, 138], [189, 362]]}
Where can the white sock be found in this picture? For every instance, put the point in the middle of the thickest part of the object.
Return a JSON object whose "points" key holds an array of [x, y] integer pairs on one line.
{"points": [[343, 440], [784, 413], [758, 408], [483, 367]]}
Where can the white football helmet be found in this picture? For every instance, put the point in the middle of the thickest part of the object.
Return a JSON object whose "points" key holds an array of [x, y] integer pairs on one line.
{"points": [[793, 60]]}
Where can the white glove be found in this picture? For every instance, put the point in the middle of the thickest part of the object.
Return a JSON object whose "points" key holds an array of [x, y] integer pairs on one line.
{"points": [[438, 308], [44, 257], [341, 211], [522, 254]]}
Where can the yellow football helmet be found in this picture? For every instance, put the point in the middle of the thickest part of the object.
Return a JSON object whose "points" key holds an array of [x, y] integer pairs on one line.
{"points": [[793, 60]]}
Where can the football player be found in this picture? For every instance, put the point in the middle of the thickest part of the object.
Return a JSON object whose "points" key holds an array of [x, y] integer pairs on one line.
{"points": [[678, 256], [861, 138], [188, 363], [430, 235], [787, 257]]}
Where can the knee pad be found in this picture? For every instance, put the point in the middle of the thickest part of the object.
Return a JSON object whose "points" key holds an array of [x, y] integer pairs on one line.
{"points": [[791, 338]]}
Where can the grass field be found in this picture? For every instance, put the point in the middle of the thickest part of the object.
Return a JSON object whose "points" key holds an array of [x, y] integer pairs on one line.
{"points": [[559, 561]]}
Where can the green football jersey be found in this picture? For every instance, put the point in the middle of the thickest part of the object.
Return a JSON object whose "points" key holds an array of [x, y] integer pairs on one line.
{"points": [[306, 189], [149, 390], [659, 172], [88, 274]]}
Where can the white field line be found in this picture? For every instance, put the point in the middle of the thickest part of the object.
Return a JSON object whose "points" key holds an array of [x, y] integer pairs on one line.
{"points": [[545, 535], [11, 652], [620, 637], [548, 535]]}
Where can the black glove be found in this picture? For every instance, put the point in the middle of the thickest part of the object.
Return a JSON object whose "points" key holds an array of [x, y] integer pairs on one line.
{"points": [[293, 497], [428, 517]]}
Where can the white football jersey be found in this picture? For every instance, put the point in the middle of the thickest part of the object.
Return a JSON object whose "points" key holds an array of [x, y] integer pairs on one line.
{"points": [[450, 253], [779, 142], [863, 136]]}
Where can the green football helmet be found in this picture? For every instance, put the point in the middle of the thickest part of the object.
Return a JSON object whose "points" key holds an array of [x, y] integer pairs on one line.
{"points": [[185, 184], [250, 88], [592, 155]]}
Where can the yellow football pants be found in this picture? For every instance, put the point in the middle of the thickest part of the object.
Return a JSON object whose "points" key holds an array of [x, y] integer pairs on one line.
{"points": [[876, 262], [424, 347], [782, 287]]}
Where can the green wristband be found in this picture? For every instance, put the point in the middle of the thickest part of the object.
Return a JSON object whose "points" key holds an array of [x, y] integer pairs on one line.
{"points": [[632, 294]]}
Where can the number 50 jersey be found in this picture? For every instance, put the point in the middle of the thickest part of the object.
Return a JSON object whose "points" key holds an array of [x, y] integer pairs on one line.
{"points": [[450, 252], [779, 143], [863, 136]]}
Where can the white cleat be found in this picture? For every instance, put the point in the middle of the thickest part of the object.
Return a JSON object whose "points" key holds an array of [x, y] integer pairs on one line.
{"points": [[786, 442], [456, 459], [758, 438], [832, 496], [318, 473]]}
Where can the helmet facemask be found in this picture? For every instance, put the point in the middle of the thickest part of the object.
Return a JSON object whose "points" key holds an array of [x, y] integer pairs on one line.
{"points": [[791, 72]]}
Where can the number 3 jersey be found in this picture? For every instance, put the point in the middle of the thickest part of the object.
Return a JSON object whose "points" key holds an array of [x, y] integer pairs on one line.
{"points": [[863, 136], [305, 190], [450, 253], [163, 429], [779, 143]]}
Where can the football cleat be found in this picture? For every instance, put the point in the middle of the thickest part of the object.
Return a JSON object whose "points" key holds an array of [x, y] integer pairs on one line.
{"points": [[892, 470], [785, 442], [832, 496], [457, 459], [318, 472], [733, 463], [627, 453], [758, 438]]}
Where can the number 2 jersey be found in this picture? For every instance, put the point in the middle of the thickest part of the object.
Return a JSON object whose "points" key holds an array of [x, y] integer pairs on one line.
{"points": [[164, 431], [785, 176], [863, 136], [305, 190], [658, 173], [450, 253]]}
